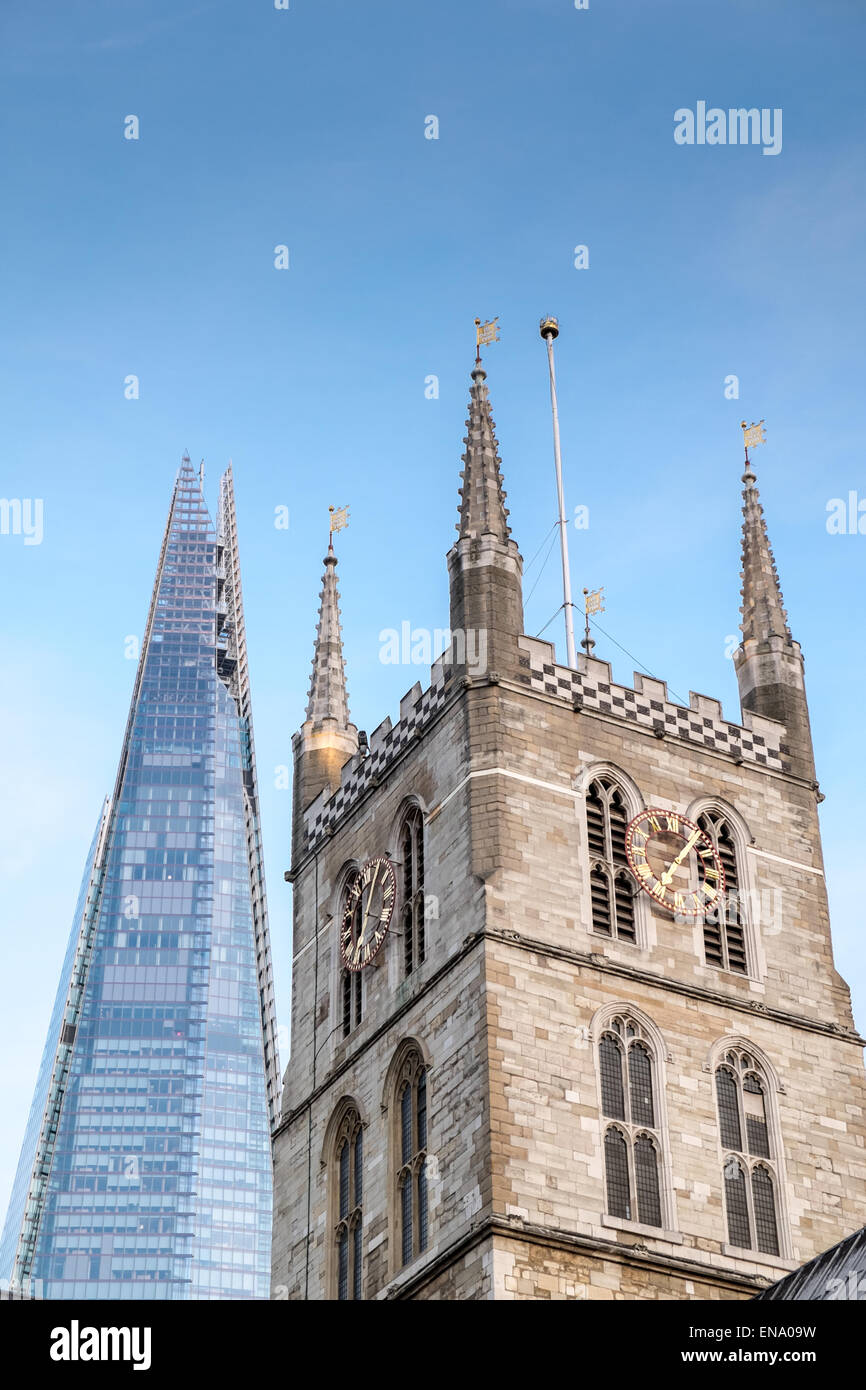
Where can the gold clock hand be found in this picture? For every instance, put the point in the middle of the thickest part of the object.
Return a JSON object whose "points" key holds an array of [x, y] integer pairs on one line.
{"points": [[367, 908], [669, 872]]}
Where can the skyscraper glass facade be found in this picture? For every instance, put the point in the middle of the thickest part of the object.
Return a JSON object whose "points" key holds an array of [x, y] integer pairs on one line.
{"points": [[146, 1168]]}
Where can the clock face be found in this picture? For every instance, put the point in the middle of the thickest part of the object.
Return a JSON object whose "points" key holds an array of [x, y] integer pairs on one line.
{"points": [[370, 898], [675, 862]]}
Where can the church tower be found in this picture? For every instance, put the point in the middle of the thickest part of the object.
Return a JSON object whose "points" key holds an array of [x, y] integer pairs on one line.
{"points": [[565, 1019]]}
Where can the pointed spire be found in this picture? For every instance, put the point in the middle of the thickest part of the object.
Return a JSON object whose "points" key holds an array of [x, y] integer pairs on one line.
{"points": [[484, 564], [768, 661], [482, 497], [328, 698], [326, 740], [762, 610]]}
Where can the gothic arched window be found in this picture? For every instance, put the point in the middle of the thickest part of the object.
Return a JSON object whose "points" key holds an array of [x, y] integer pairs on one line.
{"points": [[348, 1179], [750, 1177], [351, 981], [632, 1133], [411, 1153], [611, 884], [725, 928], [412, 919]]}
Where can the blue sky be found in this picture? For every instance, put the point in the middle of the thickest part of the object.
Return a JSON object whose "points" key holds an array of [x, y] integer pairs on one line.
{"points": [[306, 127]]}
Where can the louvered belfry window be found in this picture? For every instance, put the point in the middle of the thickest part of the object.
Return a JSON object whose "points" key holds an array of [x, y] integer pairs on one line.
{"points": [[351, 984], [352, 1000], [412, 915], [725, 927], [748, 1166], [411, 1096], [632, 1138], [348, 1233], [611, 885]]}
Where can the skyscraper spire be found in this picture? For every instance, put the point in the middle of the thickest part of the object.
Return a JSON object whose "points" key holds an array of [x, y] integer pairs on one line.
{"points": [[482, 497], [768, 662], [328, 698], [166, 986], [231, 655]]}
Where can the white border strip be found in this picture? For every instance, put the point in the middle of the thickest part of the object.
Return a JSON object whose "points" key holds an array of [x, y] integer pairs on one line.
{"points": [[574, 795], [503, 772], [791, 863]]}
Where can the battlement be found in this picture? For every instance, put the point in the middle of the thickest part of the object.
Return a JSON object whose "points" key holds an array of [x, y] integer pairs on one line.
{"points": [[759, 740], [387, 742]]}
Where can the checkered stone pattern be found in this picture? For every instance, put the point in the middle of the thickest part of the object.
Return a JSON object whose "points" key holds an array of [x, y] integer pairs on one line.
{"points": [[318, 825], [676, 720]]}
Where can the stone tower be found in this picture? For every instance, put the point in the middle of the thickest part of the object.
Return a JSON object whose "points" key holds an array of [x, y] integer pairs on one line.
{"points": [[548, 1083]]}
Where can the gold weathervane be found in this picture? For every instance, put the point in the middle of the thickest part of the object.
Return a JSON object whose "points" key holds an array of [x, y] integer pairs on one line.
{"points": [[486, 332], [339, 519], [753, 434], [593, 602]]}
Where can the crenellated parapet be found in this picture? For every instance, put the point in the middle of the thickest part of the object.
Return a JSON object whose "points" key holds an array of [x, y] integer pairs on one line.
{"points": [[758, 740], [387, 744]]}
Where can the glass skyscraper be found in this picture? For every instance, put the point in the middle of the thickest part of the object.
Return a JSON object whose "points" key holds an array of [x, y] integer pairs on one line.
{"points": [[145, 1171]]}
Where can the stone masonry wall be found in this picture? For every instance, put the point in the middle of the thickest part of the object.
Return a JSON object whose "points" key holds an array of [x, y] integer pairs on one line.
{"points": [[503, 1008], [441, 1006]]}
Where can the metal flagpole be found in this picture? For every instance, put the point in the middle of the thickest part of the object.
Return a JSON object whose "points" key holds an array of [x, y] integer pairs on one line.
{"points": [[549, 330]]}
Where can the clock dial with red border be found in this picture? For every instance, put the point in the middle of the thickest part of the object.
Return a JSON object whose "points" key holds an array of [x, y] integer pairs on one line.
{"points": [[675, 862], [369, 904]]}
